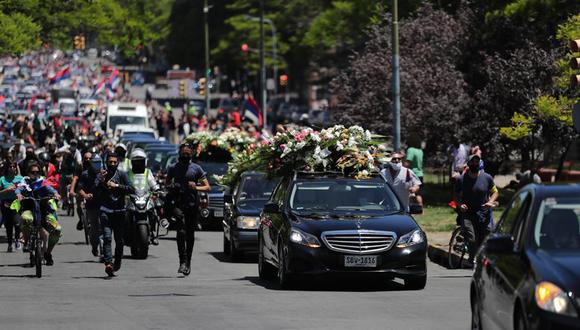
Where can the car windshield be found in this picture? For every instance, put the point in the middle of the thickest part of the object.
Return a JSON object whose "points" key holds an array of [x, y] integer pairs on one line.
{"points": [[256, 188], [125, 120], [558, 224], [343, 195], [212, 169]]}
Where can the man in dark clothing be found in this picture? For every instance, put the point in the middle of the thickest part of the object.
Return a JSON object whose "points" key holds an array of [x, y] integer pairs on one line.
{"points": [[476, 194], [112, 185], [87, 190], [28, 160], [185, 179]]}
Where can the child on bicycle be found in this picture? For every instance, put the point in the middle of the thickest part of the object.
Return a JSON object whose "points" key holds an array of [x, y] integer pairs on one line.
{"points": [[36, 186]]}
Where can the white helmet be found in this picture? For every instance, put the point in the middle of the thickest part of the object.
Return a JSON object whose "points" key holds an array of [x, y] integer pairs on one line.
{"points": [[138, 153]]}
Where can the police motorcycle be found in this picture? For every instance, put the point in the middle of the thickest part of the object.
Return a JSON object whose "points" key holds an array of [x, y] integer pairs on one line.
{"points": [[142, 227]]}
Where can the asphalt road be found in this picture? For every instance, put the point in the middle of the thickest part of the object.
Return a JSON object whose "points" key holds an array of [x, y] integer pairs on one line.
{"points": [[147, 294]]}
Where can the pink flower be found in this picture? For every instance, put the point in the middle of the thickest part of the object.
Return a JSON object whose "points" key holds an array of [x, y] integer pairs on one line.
{"points": [[298, 137], [282, 146]]}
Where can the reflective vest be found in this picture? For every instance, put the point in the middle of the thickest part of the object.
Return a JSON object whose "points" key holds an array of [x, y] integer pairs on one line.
{"points": [[140, 181]]}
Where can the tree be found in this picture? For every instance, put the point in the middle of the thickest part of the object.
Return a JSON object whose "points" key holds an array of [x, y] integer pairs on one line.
{"points": [[431, 42], [19, 34]]}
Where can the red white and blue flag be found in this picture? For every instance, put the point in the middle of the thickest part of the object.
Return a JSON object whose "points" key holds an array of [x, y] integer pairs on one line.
{"points": [[100, 87], [114, 80], [252, 111], [59, 76]]}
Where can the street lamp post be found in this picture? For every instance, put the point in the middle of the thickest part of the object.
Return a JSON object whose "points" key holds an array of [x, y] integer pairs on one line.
{"points": [[262, 66], [206, 75], [274, 49], [396, 80]]}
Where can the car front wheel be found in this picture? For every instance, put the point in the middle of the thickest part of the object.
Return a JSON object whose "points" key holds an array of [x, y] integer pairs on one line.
{"points": [[284, 279], [475, 313]]}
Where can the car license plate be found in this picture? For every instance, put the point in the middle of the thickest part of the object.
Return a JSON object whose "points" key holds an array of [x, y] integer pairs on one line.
{"points": [[360, 261], [218, 213]]}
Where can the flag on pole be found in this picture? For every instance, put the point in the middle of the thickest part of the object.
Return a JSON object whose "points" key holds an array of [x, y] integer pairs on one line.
{"points": [[114, 80], [252, 111], [59, 76], [100, 87]]}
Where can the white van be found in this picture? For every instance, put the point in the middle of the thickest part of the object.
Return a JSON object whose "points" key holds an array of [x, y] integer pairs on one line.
{"points": [[126, 114]]}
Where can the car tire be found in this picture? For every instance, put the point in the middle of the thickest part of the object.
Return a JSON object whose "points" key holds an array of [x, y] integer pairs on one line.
{"points": [[227, 246], [416, 283], [475, 313], [265, 270], [520, 320], [285, 280]]}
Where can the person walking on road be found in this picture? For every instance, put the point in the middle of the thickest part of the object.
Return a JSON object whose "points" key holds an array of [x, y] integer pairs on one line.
{"points": [[402, 179], [112, 186], [185, 180], [475, 195], [87, 191], [8, 185]]}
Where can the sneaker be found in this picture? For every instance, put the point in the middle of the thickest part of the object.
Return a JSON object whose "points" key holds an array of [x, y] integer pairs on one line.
{"points": [[182, 268], [17, 245], [117, 265], [80, 225], [48, 259], [154, 241], [9, 248], [109, 270], [102, 259], [186, 270], [95, 251]]}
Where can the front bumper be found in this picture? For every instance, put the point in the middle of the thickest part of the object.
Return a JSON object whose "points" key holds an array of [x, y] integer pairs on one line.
{"points": [[396, 262], [245, 240], [543, 320]]}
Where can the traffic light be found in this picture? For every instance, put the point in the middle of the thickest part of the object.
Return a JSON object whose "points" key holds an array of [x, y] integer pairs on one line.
{"points": [[283, 80], [575, 62], [77, 42], [245, 48], [201, 86], [182, 91]]}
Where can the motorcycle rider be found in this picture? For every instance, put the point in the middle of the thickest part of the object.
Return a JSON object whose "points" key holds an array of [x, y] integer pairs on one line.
{"points": [[87, 191], [112, 186], [185, 179], [143, 180]]}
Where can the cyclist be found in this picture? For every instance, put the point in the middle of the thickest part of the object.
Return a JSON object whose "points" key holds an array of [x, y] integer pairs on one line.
{"points": [[476, 194], [112, 186], [185, 179], [87, 189], [73, 186], [34, 186], [143, 180], [8, 184]]}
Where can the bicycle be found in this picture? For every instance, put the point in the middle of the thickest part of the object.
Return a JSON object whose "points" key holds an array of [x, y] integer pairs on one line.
{"points": [[458, 252], [85, 221], [34, 239]]}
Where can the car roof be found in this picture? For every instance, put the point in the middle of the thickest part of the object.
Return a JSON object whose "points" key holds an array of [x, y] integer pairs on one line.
{"points": [[554, 190]]}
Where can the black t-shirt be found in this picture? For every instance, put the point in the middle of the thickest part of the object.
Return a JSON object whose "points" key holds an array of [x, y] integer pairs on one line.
{"points": [[183, 174], [475, 191], [87, 182]]}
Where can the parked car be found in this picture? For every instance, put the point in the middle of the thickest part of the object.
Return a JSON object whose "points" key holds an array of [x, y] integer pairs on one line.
{"points": [[328, 223], [527, 272], [242, 213]]}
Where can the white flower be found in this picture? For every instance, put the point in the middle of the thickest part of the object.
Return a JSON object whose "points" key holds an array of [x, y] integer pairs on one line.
{"points": [[339, 146], [368, 135], [300, 145], [315, 137], [351, 142], [365, 172]]}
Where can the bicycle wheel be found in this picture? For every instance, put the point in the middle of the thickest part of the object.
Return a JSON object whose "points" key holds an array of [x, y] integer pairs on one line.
{"points": [[38, 257], [457, 249]]}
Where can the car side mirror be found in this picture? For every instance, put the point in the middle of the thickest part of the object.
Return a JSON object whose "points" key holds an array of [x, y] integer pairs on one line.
{"points": [[271, 208], [499, 244], [228, 199]]}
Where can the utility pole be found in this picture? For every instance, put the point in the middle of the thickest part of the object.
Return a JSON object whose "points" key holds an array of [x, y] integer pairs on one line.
{"points": [[206, 75], [396, 80], [262, 66]]}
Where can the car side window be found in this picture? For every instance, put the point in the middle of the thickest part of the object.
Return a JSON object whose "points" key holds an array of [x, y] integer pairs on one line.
{"points": [[278, 196], [521, 221], [508, 220]]}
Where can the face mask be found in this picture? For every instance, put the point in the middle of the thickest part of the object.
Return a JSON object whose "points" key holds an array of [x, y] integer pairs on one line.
{"points": [[474, 168], [396, 166], [185, 159], [111, 168]]}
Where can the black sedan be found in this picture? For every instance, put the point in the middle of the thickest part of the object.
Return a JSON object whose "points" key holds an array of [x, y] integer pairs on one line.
{"points": [[242, 213], [527, 273], [326, 223]]}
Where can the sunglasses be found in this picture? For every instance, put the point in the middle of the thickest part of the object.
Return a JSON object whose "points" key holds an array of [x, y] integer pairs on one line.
{"points": [[396, 159], [34, 172]]}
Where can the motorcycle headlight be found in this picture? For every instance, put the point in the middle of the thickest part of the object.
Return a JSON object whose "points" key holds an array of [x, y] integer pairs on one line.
{"points": [[299, 237], [411, 238], [140, 202], [247, 222], [551, 298]]}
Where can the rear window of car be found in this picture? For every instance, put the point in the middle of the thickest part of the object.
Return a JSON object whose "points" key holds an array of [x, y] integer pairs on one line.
{"points": [[558, 224]]}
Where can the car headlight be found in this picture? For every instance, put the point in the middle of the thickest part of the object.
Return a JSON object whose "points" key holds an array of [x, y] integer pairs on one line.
{"points": [[300, 237], [411, 238], [247, 222], [551, 298]]}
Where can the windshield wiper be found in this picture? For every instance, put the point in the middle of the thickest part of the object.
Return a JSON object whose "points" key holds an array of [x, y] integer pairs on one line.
{"points": [[313, 215]]}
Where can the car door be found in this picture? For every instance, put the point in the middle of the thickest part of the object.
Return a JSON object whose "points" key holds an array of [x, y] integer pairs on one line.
{"points": [[230, 213], [505, 271], [268, 235]]}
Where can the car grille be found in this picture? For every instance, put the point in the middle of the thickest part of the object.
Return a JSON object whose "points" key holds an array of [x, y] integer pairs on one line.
{"points": [[216, 201], [359, 241]]}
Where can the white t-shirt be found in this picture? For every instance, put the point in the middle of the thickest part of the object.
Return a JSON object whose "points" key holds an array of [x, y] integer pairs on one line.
{"points": [[401, 183]]}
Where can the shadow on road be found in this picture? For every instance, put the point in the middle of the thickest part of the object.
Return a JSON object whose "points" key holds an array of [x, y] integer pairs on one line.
{"points": [[17, 276], [72, 243], [96, 261], [160, 295], [245, 259], [24, 265], [93, 277], [332, 284]]}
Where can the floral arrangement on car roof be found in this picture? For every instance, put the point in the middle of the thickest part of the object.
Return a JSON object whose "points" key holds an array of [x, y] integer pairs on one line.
{"points": [[232, 140], [337, 148]]}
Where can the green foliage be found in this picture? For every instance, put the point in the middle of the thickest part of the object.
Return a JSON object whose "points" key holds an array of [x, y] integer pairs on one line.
{"points": [[19, 33]]}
